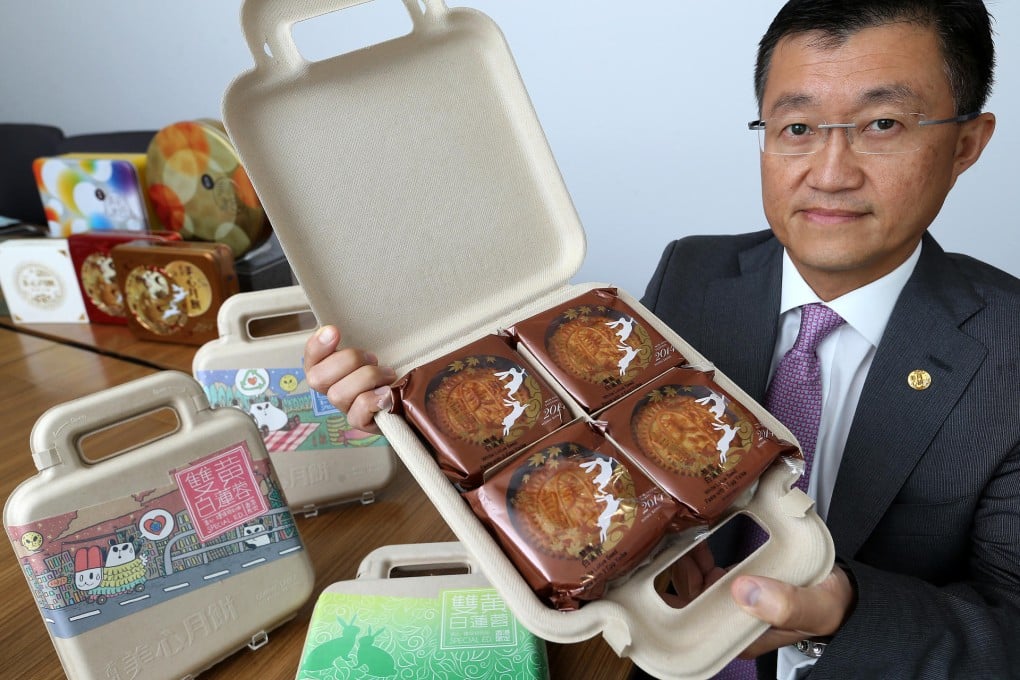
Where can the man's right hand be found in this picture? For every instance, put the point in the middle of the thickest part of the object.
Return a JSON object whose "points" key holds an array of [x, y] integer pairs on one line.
{"points": [[351, 379]]}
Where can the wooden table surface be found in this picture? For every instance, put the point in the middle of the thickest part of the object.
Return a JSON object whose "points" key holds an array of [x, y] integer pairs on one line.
{"points": [[110, 340], [43, 365]]}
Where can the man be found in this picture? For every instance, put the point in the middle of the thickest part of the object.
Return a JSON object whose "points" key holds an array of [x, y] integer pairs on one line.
{"points": [[871, 109]]}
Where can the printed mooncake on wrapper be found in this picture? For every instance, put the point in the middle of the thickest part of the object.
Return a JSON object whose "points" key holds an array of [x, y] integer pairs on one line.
{"points": [[698, 443], [573, 514], [477, 406], [597, 347]]}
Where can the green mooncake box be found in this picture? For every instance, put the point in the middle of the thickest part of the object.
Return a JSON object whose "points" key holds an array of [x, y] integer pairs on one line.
{"points": [[418, 611]]}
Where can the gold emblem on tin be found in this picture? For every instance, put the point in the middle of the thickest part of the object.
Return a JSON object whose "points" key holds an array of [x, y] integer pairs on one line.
{"points": [[163, 299], [39, 285], [919, 379]]}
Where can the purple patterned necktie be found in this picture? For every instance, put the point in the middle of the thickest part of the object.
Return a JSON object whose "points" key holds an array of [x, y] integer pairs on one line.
{"points": [[795, 393], [794, 397]]}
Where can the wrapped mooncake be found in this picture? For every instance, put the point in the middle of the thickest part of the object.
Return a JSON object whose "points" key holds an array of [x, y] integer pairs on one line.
{"points": [[573, 514], [695, 440], [478, 405], [596, 346]]}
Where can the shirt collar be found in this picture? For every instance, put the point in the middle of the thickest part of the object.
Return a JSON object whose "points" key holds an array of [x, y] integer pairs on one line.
{"points": [[867, 309]]}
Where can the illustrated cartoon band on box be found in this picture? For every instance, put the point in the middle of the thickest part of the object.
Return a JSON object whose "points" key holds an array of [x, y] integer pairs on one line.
{"points": [[290, 415], [224, 515]]}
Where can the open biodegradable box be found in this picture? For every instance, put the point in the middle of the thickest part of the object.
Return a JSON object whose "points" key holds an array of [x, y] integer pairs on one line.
{"points": [[418, 202]]}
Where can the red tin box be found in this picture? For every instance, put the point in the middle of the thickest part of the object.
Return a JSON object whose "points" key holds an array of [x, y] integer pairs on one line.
{"points": [[97, 275]]}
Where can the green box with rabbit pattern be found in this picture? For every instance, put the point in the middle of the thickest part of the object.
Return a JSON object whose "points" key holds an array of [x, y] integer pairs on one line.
{"points": [[450, 626]]}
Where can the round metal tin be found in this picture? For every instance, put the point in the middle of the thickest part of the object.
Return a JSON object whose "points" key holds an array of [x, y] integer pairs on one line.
{"points": [[199, 188]]}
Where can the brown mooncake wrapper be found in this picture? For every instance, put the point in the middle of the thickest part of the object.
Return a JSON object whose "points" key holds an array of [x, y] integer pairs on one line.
{"points": [[597, 347], [695, 440], [573, 514], [477, 406]]}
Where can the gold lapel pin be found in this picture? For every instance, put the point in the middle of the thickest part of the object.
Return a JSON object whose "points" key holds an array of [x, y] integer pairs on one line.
{"points": [[919, 379]]}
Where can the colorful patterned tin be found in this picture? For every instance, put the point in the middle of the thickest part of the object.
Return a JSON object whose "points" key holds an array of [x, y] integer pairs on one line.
{"points": [[199, 188]]}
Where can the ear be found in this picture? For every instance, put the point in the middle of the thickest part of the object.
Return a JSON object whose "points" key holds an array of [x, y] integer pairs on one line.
{"points": [[973, 138]]}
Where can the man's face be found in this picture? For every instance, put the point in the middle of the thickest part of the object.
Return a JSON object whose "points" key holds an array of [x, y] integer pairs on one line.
{"points": [[848, 218]]}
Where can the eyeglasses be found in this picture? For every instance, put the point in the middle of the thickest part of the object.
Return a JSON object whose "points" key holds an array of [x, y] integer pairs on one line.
{"points": [[885, 133]]}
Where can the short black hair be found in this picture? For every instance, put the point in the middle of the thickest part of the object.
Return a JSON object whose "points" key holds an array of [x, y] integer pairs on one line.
{"points": [[963, 27]]}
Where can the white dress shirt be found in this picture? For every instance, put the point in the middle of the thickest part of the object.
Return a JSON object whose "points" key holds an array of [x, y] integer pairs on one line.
{"points": [[845, 356]]}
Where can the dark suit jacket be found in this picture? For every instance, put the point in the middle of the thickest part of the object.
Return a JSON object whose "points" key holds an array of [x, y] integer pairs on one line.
{"points": [[925, 514]]}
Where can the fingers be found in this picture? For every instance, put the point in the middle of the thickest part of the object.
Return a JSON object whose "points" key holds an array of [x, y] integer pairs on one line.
{"points": [[688, 580], [322, 343], [692, 574], [703, 557], [364, 406], [350, 378], [802, 612]]}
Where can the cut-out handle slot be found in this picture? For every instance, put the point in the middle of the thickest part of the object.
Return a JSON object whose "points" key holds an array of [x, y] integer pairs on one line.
{"points": [[411, 570], [261, 314], [352, 29], [116, 420], [424, 559], [281, 324], [697, 570], [269, 27], [128, 435]]}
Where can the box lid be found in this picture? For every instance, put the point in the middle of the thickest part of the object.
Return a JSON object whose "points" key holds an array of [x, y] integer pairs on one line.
{"points": [[419, 154]]}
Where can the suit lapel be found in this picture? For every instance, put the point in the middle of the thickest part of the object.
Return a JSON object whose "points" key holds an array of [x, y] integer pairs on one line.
{"points": [[741, 313], [894, 423]]}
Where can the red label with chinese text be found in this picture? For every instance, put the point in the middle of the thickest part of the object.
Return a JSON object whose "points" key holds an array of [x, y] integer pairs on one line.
{"points": [[221, 491]]}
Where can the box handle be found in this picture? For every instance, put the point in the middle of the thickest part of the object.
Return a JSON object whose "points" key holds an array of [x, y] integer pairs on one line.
{"points": [[781, 509], [57, 432], [238, 310], [267, 26], [381, 561]]}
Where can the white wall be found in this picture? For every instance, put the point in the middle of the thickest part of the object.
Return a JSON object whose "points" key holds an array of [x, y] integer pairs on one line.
{"points": [[645, 103]]}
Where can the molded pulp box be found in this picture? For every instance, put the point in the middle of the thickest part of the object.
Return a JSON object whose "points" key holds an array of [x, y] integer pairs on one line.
{"points": [[167, 557], [415, 195]]}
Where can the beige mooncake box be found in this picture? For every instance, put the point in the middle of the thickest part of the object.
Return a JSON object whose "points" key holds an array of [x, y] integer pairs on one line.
{"points": [[165, 555]]}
